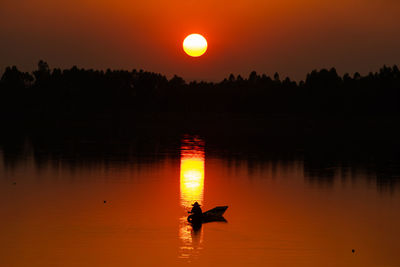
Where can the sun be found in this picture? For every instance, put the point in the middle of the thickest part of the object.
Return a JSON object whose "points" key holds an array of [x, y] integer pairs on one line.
{"points": [[195, 45]]}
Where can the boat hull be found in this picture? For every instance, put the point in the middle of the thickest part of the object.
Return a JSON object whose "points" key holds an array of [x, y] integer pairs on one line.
{"points": [[213, 215]]}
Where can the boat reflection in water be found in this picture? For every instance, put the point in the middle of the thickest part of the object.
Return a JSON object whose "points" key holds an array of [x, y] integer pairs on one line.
{"points": [[191, 190]]}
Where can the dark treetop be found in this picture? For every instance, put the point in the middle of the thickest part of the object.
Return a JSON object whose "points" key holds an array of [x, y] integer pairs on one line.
{"points": [[47, 95]]}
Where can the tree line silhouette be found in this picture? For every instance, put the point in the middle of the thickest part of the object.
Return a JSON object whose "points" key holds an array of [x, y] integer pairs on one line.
{"points": [[86, 115], [79, 94]]}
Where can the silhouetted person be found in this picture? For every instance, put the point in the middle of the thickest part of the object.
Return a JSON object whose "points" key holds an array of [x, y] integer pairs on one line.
{"points": [[196, 214], [196, 210]]}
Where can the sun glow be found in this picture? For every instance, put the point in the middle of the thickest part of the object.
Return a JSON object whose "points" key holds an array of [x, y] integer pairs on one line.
{"points": [[195, 45]]}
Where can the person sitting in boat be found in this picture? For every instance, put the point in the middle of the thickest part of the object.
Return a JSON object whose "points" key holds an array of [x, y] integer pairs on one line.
{"points": [[196, 210]]}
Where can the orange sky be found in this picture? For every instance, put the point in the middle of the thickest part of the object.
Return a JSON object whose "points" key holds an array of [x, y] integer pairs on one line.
{"points": [[289, 36]]}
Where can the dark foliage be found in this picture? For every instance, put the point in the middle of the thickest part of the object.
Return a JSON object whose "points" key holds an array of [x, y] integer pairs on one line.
{"points": [[85, 115], [79, 94]]}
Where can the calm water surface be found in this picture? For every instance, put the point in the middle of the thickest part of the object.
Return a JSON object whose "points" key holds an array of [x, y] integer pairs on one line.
{"points": [[133, 213]]}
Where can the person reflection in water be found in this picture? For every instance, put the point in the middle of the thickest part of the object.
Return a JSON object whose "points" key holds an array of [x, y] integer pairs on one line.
{"points": [[196, 227]]}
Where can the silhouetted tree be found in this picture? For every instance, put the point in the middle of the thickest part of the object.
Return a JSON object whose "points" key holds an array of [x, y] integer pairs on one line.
{"points": [[276, 77], [42, 74], [90, 95]]}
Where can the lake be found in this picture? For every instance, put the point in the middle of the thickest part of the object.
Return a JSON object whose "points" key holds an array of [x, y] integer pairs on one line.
{"points": [[121, 209]]}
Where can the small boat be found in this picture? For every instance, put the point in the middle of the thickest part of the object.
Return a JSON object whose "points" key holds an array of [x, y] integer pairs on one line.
{"points": [[212, 215]]}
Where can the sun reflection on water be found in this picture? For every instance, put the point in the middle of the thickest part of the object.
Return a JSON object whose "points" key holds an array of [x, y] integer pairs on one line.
{"points": [[192, 171], [191, 190]]}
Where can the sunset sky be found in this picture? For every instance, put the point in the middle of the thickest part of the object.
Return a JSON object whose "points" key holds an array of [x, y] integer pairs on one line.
{"points": [[292, 37]]}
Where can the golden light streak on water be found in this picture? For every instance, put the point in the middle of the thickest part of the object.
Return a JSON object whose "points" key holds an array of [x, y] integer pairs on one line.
{"points": [[191, 190], [192, 171]]}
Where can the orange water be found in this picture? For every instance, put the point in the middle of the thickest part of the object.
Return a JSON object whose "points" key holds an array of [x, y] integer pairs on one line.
{"points": [[55, 214]]}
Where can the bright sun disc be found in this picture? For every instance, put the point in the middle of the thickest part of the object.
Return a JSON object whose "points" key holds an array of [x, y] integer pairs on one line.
{"points": [[195, 45]]}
